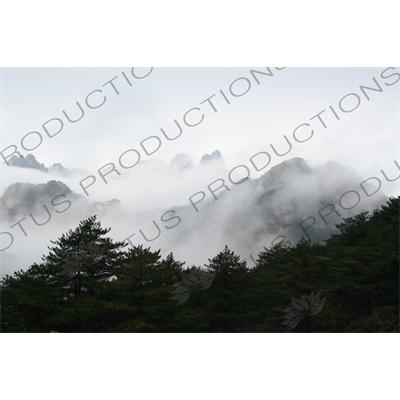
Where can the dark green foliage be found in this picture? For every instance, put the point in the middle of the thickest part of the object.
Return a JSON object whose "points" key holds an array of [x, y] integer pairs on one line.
{"points": [[226, 302], [192, 281], [88, 283], [304, 307], [357, 270]]}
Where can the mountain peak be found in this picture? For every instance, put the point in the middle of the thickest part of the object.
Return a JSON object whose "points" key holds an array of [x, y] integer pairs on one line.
{"points": [[287, 170], [215, 156], [182, 161], [27, 162]]}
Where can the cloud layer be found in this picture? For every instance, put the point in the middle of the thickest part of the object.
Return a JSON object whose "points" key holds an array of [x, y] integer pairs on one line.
{"points": [[193, 211]]}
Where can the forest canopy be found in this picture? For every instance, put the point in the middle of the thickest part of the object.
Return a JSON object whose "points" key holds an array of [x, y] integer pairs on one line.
{"points": [[89, 283]]}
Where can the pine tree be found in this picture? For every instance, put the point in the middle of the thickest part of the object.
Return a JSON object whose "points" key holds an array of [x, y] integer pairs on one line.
{"points": [[64, 292], [84, 255], [226, 302], [28, 300], [363, 274], [143, 285]]}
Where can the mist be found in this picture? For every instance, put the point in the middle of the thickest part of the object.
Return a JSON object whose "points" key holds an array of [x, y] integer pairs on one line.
{"points": [[192, 208], [190, 160]]}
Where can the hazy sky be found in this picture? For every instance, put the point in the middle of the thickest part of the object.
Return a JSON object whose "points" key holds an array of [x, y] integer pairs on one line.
{"points": [[239, 112], [365, 139]]}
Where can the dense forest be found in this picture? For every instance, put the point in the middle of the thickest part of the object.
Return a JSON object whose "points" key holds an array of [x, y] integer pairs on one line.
{"points": [[90, 283]]}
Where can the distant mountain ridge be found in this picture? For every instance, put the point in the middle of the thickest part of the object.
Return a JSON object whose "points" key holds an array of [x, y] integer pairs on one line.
{"points": [[250, 215], [290, 201], [293, 191], [21, 199], [30, 162]]}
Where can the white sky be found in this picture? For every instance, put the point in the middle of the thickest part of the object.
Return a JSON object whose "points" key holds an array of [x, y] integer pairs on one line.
{"points": [[365, 140]]}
